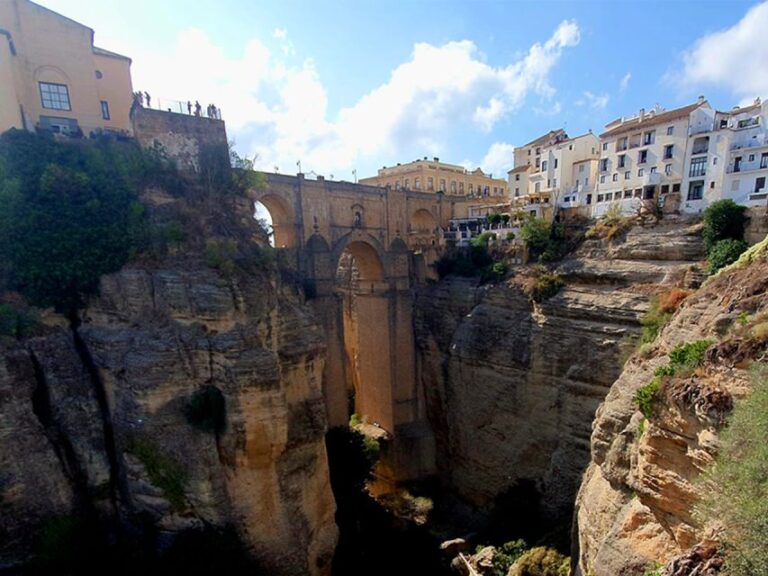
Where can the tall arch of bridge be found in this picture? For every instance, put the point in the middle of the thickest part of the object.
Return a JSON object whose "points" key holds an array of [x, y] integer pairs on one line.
{"points": [[356, 249]]}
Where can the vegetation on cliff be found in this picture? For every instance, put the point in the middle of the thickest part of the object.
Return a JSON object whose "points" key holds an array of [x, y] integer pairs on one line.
{"points": [[723, 234], [70, 213], [739, 480]]}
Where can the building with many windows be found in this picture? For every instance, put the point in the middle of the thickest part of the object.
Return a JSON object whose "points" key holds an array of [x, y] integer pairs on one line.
{"points": [[53, 77], [643, 158], [553, 170], [435, 176], [746, 167]]}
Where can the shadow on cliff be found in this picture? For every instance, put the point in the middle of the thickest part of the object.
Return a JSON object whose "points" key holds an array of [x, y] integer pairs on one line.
{"points": [[371, 539]]}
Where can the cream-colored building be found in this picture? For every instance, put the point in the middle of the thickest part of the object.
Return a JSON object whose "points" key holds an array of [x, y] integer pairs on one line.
{"points": [[553, 170], [643, 157], [52, 76], [435, 176]]}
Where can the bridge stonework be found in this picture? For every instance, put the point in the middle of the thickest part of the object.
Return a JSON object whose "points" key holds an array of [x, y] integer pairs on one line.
{"points": [[393, 236]]}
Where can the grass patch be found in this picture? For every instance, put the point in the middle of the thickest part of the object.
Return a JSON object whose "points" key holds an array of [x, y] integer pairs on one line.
{"points": [[543, 284], [220, 254]]}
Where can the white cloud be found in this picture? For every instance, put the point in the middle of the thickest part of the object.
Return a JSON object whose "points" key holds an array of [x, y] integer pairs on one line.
{"points": [[594, 101], [735, 58], [624, 84], [278, 109], [499, 159], [553, 110]]}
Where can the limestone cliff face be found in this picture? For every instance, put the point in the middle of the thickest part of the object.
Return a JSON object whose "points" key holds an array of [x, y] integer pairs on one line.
{"points": [[636, 504], [89, 418], [512, 386]]}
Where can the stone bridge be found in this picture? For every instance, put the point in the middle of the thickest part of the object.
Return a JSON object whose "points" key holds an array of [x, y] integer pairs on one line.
{"points": [[359, 250]]}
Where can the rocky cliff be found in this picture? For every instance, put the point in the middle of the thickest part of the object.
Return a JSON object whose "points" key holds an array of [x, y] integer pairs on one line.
{"points": [[636, 506], [104, 419], [512, 385]]}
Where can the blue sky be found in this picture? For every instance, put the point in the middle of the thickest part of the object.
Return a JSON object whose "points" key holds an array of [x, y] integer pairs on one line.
{"points": [[355, 85]]}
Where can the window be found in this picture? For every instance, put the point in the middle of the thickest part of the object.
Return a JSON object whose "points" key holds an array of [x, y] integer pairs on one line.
{"points": [[735, 185], [554, 182], [668, 169], [397, 185], [621, 144], [615, 177], [698, 167], [55, 96], [627, 175], [600, 197], [760, 184], [696, 190], [653, 169], [670, 130], [461, 187], [642, 156], [602, 179], [543, 165], [609, 196], [581, 167], [665, 188], [430, 183], [555, 165], [538, 150], [517, 177], [442, 184], [99, 75], [417, 183], [105, 109], [549, 184], [627, 193], [517, 191], [586, 181], [641, 172], [622, 160], [471, 189], [668, 150], [604, 165], [453, 186], [714, 161], [638, 192], [605, 147], [676, 187], [589, 198], [737, 164], [648, 138], [751, 158], [537, 188], [764, 160], [405, 184]]}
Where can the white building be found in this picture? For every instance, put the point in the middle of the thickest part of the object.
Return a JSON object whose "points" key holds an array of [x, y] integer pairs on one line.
{"points": [[642, 158], [553, 170], [747, 155]]}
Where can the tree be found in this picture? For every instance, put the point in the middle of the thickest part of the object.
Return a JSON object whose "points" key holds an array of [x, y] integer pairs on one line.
{"points": [[723, 219]]}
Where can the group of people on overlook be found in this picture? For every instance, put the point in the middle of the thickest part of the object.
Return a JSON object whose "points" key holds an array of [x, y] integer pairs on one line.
{"points": [[211, 111]]}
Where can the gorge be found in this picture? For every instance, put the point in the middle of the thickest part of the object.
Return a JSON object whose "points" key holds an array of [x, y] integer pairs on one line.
{"points": [[190, 399]]}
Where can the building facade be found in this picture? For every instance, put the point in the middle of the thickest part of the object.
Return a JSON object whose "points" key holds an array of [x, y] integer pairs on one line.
{"points": [[746, 167], [553, 170], [435, 176], [53, 77], [643, 157]]}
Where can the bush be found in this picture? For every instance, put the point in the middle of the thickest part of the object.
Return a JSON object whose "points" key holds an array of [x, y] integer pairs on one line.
{"points": [[544, 286], [163, 471], [207, 410], [506, 555], [670, 301], [481, 240], [494, 218], [17, 321], [653, 321], [645, 395], [541, 561], [219, 254], [465, 262], [723, 220], [725, 252], [739, 482], [70, 213], [545, 241]]}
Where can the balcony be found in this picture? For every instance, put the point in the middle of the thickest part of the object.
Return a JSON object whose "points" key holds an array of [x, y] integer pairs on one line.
{"points": [[651, 179], [757, 142]]}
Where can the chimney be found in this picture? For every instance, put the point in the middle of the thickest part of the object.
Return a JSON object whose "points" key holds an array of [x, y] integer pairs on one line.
{"points": [[700, 100], [320, 178], [436, 159], [641, 115]]}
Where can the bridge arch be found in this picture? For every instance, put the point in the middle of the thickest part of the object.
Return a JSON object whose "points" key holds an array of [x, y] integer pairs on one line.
{"points": [[283, 219], [366, 251], [423, 221]]}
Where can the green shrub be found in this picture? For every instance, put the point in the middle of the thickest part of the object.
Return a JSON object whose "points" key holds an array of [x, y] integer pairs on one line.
{"points": [[481, 240], [644, 397], [219, 254], [510, 236], [654, 569], [16, 321], [725, 252], [467, 262], [738, 484], [541, 561], [545, 241], [544, 286], [506, 555], [207, 410], [683, 359], [723, 220], [653, 321], [163, 471], [494, 218]]}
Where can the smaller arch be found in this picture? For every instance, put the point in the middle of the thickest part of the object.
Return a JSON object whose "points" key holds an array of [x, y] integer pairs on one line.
{"points": [[398, 245], [423, 221], [367, 252], [317, 244], [283, 220], [48, 73]]}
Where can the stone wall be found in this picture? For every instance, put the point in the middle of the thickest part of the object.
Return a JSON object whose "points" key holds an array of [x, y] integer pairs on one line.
{"points": [[182, 136]]}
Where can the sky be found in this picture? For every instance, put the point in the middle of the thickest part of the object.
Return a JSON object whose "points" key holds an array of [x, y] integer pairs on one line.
{"points": [[347, 86]]}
